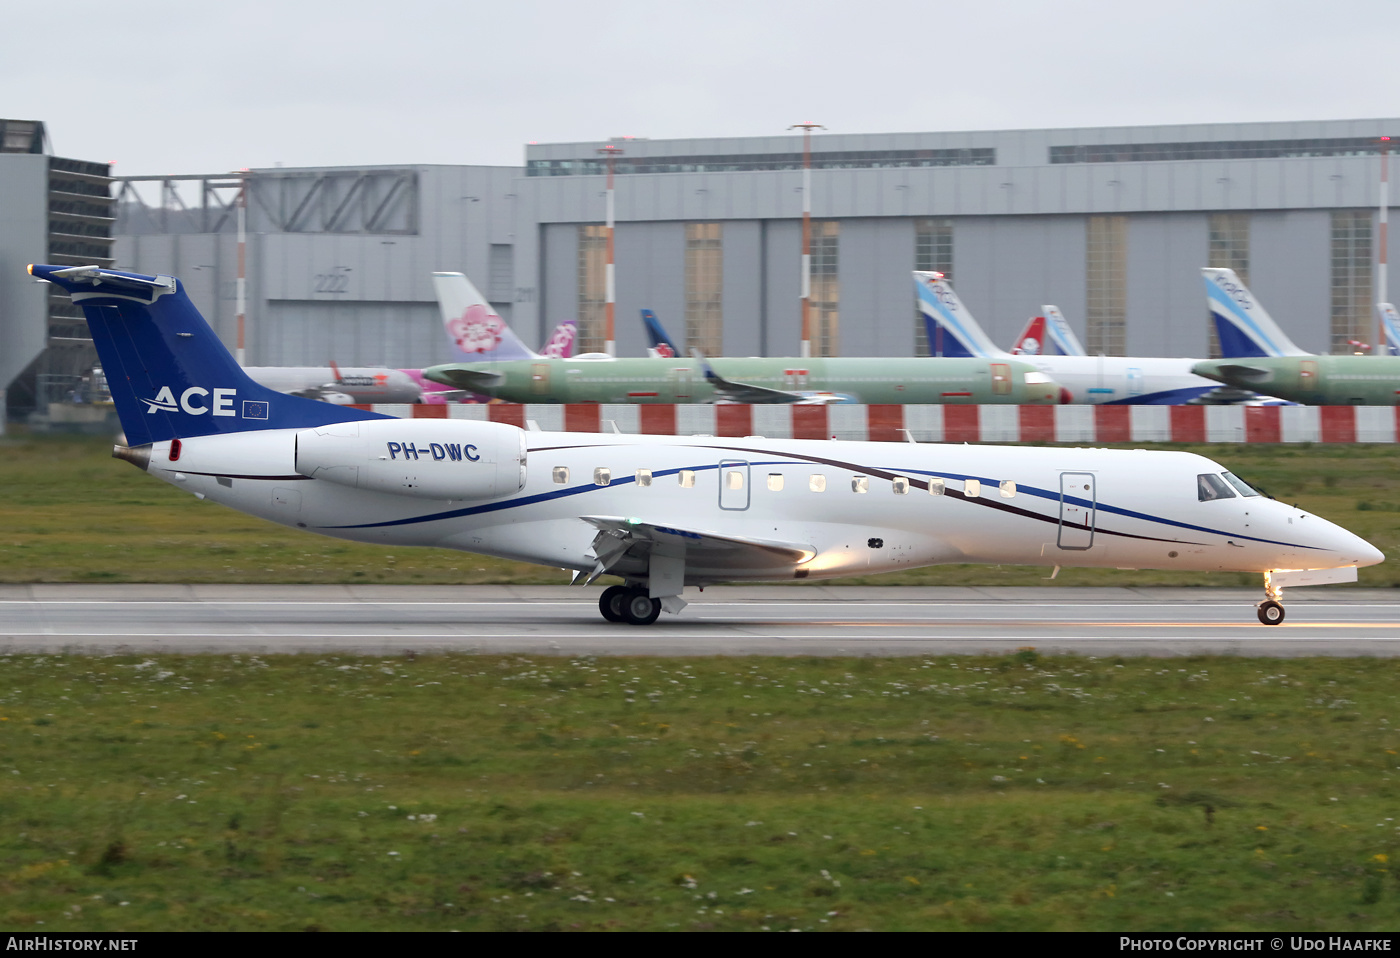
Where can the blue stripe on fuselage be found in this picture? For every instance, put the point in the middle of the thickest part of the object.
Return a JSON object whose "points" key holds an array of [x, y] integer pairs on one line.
{"points": [[1028, 490]]}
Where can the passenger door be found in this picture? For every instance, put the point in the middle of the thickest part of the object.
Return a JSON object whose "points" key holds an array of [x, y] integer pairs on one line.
{"points": [[539, 378], [1078, 510], [733, 484], [1001, 379]]}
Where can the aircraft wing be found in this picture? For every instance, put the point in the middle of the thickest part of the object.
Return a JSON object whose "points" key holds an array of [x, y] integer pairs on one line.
{"points": [[741, 392], [635, 539]]}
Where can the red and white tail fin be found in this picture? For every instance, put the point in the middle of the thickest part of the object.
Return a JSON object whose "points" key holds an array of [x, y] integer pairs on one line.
{"points": [[1031, 342]]}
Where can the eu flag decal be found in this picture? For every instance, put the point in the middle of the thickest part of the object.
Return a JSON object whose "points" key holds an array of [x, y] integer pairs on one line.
{"points": [[255, 410]]}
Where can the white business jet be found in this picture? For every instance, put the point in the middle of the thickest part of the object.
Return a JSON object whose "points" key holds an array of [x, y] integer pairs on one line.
{"points": [[666, 512]]}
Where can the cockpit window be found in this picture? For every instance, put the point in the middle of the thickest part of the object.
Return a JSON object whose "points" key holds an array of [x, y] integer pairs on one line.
{"points": [[1244, 488], [1210, 487]]}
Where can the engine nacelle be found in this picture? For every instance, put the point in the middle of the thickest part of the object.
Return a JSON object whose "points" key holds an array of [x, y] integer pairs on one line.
{"points": [[424, 458]]}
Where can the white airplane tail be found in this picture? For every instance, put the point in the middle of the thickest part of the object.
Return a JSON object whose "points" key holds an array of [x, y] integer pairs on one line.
{"points": [[1390, 321], [477, 334], [1244, 326], [951, 329], [1060, 334]]}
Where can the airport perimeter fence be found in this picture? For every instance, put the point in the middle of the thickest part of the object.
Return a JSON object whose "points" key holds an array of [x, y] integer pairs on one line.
{"points": [[1067, 424]]}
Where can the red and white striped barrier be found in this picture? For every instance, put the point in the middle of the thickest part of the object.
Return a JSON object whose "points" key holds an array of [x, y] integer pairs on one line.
{"points": [[1076, 424]]}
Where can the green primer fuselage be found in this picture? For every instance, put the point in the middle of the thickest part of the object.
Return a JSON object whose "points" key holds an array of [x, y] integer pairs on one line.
{"points": [[677, 380], [1313, 380]]}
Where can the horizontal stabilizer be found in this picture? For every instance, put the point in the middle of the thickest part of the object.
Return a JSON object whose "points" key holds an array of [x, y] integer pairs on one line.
{"points": [[463, 376]]}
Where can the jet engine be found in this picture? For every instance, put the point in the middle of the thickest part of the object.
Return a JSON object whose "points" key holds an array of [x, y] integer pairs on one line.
{"points": [[423, 458]]}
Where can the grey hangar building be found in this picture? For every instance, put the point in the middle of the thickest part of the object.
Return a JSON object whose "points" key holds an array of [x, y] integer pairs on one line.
{"points": [[1109, 223]]}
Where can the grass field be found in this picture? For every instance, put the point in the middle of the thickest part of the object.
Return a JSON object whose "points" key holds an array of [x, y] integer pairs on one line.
{"points": [[70, 513], [1017, 792]]}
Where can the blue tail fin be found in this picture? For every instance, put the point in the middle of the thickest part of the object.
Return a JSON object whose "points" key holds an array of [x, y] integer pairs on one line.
{"points": [[169, 374], [661, 344]]}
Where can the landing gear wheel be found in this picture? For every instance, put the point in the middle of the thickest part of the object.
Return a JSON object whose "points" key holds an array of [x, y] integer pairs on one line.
{"points": [[610, 602], [1270, 612], [638, 608]]}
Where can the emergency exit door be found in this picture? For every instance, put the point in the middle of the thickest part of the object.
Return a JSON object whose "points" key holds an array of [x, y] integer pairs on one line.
{"points": [[1078, 510]]}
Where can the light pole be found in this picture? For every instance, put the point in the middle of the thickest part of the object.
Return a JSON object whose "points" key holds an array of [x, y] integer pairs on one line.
{"points": [[1382, 291], [611, 152], [241, 286], [806, 129]]}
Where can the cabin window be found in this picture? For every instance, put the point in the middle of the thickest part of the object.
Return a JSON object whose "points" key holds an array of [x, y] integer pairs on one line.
{"points": [[935, 487], [972, 488], [860, 483], [643, 477], [817, 483], [1244, 488], [900, 486], [561, 474], [1007, 488], [687, 478], [775, 482], [1210, 487], [602, 476], [733, 479]]}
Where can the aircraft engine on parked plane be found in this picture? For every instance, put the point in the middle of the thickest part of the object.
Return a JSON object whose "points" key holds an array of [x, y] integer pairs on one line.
{"points": [[426, 458]]}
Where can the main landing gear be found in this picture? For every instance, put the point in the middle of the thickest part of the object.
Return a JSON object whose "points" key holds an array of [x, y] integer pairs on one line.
{"points": [[1271, 609], [621, 603]]}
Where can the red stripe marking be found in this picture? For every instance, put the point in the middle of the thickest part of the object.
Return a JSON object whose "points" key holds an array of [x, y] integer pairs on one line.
{"points": [[658, 420], [733, 419], [809, 422], [957, 394], [1037, 423], [884, 422], [507, 412], [1338, 423], [1188, 423], [1112, 424], [582, 417], [962, 424], [642, 395], [1261, 424]]}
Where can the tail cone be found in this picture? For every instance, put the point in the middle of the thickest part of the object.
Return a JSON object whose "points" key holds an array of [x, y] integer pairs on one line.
{"points": [[138, 456]]}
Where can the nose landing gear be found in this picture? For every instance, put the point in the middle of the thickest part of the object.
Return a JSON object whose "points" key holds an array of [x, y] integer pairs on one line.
{"points": [[1271, 609]]}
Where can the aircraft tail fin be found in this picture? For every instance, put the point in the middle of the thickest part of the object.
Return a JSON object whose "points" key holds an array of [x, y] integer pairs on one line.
{"points": [[477, 334], [560, 344], [951, 329], [1032, 342], [169, 374], [1244, 326], [1390, 321], [1060, 333], [661, 346]]}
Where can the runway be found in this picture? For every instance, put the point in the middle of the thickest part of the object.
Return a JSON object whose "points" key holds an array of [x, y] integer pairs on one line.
{"points": [[775, 620]]}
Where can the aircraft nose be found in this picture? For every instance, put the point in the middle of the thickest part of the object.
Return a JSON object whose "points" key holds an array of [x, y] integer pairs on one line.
{"points": [[1352, 549]]}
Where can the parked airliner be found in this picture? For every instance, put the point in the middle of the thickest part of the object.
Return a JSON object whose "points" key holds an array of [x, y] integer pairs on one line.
{"points": [[666, 512], [1262, 356], [1088, 379]]}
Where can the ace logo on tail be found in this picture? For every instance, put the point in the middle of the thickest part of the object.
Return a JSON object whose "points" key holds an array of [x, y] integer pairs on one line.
{"points": [[196, 401]]}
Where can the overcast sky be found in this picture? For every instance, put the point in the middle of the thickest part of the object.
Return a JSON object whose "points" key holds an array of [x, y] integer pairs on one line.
{"points": [[163, 87]]}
